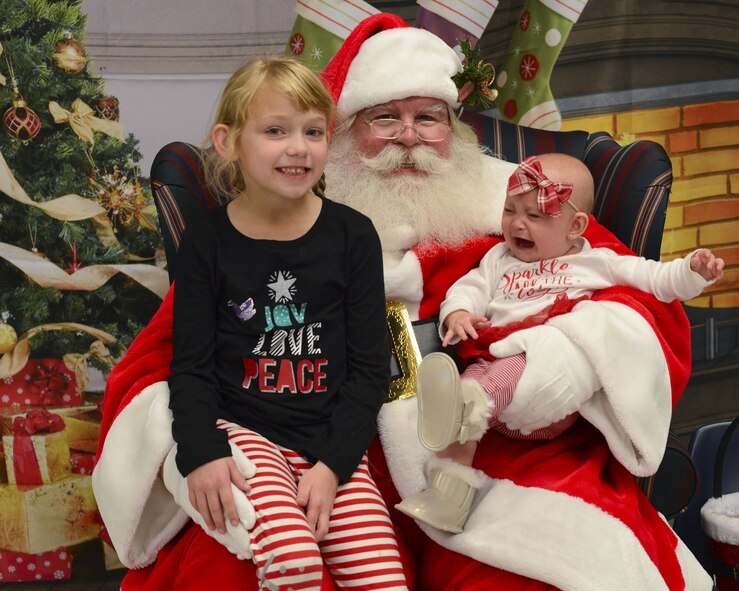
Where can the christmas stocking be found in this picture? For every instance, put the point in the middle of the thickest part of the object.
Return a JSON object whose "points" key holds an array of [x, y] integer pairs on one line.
{"points": [[321, 27], [524, 96], [453, 20]]}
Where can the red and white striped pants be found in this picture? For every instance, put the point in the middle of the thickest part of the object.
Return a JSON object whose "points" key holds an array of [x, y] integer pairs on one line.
{"points": [[499, 379], [360, 550]]}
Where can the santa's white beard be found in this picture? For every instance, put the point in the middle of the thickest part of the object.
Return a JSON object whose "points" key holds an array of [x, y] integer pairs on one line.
{"points": [[446, 204]]}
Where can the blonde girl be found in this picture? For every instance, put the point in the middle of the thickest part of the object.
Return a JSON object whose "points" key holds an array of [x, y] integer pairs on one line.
{"points": [[279, 343]]}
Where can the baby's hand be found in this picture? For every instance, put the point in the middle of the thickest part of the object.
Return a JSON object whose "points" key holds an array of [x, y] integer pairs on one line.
{"points": [[209, 488], [705, 263], [462, 324]]}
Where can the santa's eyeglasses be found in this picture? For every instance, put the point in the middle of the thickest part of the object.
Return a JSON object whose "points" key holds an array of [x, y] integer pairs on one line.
{"points": [[392, 129]]}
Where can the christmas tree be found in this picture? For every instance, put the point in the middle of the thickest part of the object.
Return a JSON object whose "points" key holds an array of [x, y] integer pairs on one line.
{"points": [[78, 236]]}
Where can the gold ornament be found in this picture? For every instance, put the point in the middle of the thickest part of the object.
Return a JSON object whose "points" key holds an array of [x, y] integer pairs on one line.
{"points": [[69, 55], [8, 338], [21, 122], [107, 108], [124, 200]]}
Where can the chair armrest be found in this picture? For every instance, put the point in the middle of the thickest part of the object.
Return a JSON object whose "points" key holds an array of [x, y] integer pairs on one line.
{"points": [[675, 483]]}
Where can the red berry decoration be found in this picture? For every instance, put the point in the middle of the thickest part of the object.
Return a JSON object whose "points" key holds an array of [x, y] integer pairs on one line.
{"points": [[21, 122]]}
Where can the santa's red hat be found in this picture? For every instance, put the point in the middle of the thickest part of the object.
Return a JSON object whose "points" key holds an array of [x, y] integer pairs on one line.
{"points": [[385, 59]]}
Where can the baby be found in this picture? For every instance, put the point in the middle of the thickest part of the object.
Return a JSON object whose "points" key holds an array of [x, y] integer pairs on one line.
{"points": [[543, 268]]}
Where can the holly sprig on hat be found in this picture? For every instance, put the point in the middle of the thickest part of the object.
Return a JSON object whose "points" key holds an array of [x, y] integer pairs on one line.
{"points": [[475, 80]]}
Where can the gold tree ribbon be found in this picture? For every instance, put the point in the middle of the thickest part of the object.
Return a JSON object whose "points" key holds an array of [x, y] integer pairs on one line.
{"points": [[15, 359], [47, 274], [77, 362], [69, 208], [82, 120]]}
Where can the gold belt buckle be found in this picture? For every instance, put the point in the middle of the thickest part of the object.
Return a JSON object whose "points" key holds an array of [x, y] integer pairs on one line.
{"points": [[405, 347]]}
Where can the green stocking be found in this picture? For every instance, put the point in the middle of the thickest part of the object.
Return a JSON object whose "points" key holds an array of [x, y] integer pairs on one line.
{"points": [[524, 96], [320, 28]]}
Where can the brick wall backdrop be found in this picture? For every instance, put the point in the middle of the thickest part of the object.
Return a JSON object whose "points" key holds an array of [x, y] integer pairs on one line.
{"points": [[703, 143]]}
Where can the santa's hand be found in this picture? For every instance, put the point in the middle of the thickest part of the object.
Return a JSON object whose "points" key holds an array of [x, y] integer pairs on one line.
{"points": [[236, 539], [557, 380]]}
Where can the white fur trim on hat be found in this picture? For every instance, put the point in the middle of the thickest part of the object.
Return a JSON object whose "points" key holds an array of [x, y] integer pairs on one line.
{"points": [[397, 64]]}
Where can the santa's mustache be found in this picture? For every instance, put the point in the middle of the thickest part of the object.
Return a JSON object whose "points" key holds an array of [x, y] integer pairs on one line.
{"points": [[394, 157]]}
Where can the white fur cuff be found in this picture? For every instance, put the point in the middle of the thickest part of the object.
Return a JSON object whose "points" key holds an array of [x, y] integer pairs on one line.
{"points": [[720, 518]]}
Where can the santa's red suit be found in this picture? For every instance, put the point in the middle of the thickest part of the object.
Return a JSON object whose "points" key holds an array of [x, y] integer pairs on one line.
{"points": [[561, 514]]}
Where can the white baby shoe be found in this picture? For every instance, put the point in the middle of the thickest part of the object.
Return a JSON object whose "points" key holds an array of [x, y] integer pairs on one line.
{"points": [[449, 408], [446, 503]]}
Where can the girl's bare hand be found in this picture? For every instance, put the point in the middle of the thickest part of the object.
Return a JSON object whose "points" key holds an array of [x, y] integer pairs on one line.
{"points": [[209, 488]]}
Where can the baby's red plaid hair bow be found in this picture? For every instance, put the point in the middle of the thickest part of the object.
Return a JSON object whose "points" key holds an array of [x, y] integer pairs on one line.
{"points": [[529, 176]]}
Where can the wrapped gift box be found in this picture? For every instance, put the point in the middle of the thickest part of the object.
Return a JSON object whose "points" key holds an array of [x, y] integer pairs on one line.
{"points": [[36, 519], [8, 414], [15, 567], [49, 452], [37, 452], [83, 429], [81, 462], [41, 382]]}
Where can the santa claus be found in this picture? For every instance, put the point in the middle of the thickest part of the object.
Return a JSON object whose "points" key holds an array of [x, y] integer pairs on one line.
{"points": [[561, 514]]}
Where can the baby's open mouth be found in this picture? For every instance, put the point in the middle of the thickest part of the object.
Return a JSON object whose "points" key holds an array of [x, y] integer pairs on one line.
{"points": [[523, 243]]}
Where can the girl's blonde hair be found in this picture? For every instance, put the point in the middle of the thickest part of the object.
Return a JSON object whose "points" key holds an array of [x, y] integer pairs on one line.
{"points": [[286, 75]]}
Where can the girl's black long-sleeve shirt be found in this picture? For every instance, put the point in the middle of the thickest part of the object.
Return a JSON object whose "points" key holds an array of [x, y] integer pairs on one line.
{"points": [[287, 338]]}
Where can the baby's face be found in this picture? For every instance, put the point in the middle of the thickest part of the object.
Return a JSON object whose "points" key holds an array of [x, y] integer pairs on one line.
{"points": [[532, 235]]}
